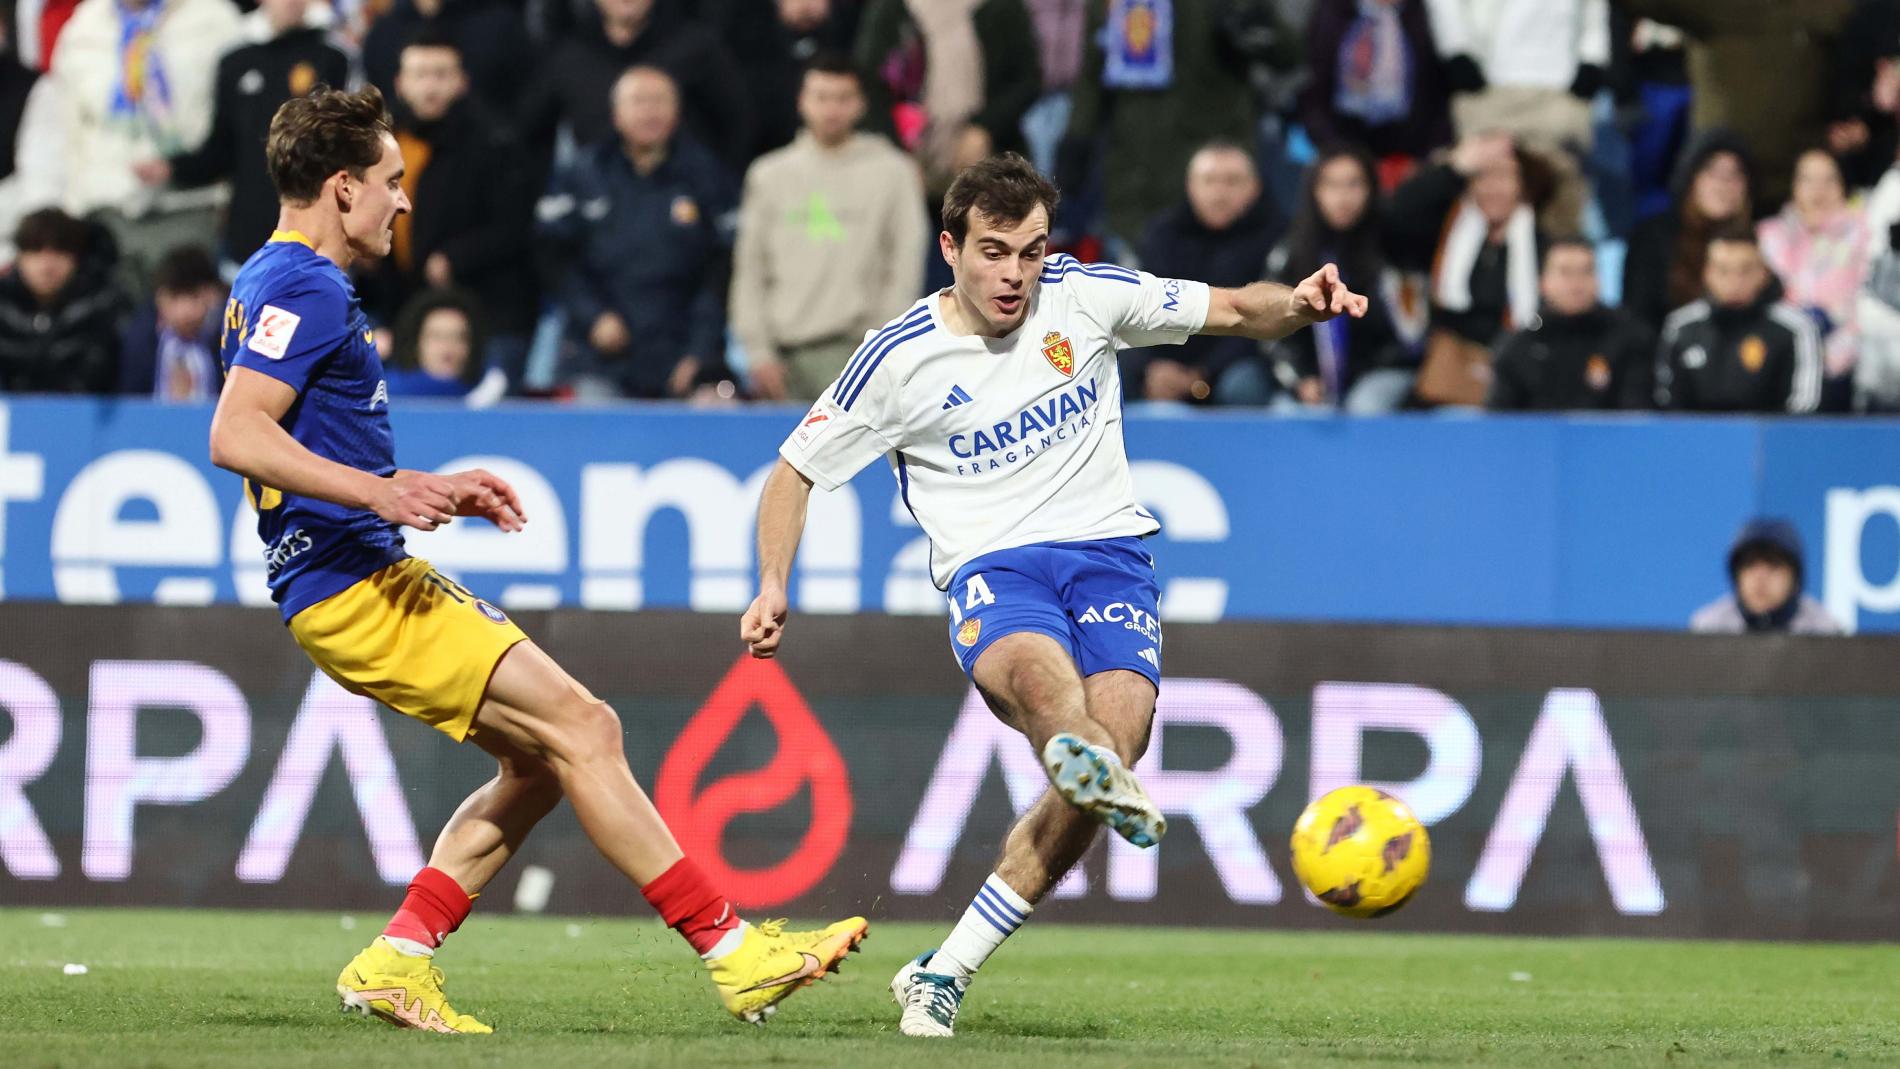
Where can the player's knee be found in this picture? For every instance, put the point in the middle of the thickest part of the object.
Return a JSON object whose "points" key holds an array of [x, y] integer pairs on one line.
{"points": [[585, 729]]}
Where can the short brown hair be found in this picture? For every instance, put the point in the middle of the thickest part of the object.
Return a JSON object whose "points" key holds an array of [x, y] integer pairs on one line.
{"points": [[1734, 232], [1004, 189], [313, 137], [50, 228]]}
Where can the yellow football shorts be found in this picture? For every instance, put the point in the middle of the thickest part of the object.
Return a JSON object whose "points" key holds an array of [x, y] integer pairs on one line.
{"points": [[412, 639]]}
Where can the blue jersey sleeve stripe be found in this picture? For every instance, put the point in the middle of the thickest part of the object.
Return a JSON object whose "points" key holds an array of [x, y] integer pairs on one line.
{"points": [[853, 378], [871, 368], [858, 358], [1102, 271], [870, 343]]}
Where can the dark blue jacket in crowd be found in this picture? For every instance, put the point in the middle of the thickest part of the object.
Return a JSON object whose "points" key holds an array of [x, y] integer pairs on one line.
{"points": [[1178, 245], [654, 248]]}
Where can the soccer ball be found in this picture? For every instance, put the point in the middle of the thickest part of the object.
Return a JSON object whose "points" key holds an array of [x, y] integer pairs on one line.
{"points": [[1361, 851]]}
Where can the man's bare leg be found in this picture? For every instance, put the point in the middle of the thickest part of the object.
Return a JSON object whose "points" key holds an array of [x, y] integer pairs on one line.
{"points": [[555, 739], [1029, 690]]}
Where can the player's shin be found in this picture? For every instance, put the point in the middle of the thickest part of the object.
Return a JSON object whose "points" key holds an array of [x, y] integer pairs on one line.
{"points": [[687, 901], [435, 906], [992, 917]]}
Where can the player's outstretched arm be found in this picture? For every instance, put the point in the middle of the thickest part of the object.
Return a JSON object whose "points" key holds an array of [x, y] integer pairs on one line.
{"points": [[1268, 310], [248, 438], [781, 523]]}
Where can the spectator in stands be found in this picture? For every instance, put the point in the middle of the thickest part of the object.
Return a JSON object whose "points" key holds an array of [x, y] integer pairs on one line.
{"points": [[1740, 348], [1361, 366], [170, 350], [437, 348], [489, 35], [1758, 69], [16, 87], [1471, 224], [1877, 311], [251, 82], [1376, 80], [949, 79], [577, 78], [1221, 232], [1576, 354], [1655, 96], [1529, 68], [1664, 268], [1861, 132], [1059, 45], [832, 239], [471, 225], [1766, 575], [773, 52], [1148, 108], [643, 221], [134, 80], [1817, 246], [38, 24], [60, 308]]}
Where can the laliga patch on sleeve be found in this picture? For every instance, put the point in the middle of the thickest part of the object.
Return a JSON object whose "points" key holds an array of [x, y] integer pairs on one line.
{"points": [[814, 425], [271, 336]]}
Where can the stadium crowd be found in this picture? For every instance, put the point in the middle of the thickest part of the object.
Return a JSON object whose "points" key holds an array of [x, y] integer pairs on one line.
{"points": [[1556, 204]]}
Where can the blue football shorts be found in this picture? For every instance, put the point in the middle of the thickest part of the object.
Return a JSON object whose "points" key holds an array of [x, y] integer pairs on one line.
{"points": [[1099, 600]]}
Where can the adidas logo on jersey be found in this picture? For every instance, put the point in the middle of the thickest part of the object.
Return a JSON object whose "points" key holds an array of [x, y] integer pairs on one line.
{"points": [[958, 396], [1151, 657]]}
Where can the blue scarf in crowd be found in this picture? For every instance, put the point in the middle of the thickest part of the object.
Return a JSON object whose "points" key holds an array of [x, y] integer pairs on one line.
{"points": [[143, 94], [1138, 43], [1375, 66]]}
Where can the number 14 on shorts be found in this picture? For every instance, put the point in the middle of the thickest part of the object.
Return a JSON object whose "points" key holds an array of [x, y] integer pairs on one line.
{"points": [[976, 593]]}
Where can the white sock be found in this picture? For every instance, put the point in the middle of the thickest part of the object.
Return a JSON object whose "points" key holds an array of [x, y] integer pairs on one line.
{"points": [[993, 916], [727, 943], [409, 948]]}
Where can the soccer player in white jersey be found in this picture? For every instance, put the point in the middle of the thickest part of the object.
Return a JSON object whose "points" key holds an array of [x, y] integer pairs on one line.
{"points": [[997, 403]]}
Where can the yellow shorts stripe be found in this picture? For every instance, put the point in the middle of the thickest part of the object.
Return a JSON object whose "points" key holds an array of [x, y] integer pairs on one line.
{"points": [[412, 639]]}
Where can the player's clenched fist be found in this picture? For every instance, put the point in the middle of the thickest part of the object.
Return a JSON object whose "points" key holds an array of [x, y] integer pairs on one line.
{"points": [[763, 626], [414, 499], [487, 495]]}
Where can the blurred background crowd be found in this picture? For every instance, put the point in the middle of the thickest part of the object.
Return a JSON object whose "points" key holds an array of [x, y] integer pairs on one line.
{"points": [[1556, 204]]}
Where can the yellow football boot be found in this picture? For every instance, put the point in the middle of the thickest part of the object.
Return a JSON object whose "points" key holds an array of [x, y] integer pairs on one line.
{"points": [[402, 989], [770, 963]]}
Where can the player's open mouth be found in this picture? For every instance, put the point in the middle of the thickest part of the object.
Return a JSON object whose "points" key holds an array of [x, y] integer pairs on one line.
{"points": [[1008, 305]]}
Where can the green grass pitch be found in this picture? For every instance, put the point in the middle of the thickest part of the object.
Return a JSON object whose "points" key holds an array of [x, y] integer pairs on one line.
{"points": [[166, 988]]}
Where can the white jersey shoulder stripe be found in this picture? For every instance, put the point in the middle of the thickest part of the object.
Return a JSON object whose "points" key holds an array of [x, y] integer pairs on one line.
{"points": [[915, 328], [872, 350], [1061, 266]]}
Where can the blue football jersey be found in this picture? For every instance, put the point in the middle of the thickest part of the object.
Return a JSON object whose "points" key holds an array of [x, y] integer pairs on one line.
{"points": [[294, 316]]}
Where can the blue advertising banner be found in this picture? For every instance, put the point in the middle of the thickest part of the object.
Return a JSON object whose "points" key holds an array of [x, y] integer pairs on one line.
{"points": [[1600, 522]]}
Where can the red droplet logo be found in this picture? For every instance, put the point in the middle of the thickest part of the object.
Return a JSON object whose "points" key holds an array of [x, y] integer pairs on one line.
{"points": [[805, 754]]}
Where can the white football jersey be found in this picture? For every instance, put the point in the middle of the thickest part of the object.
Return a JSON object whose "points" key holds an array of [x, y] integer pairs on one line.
{"points": [[1003, 442]]}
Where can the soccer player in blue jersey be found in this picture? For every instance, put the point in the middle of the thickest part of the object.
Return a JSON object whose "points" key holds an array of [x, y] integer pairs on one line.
{"points": [[304, 417]]}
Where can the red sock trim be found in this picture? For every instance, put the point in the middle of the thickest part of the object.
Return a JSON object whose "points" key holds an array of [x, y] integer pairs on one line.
{"points": [[690, 905], [435, 906]]}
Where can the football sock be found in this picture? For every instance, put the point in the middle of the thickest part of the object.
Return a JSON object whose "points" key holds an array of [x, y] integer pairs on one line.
{"points": [[435, 906], [690, 905], [993, 916]]}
